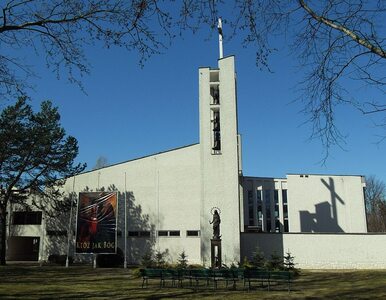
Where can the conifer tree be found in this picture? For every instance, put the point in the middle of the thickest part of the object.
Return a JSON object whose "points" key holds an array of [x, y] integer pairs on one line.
{"points": [[258, 259], [36, 157], [182, 260], [275, 262]]}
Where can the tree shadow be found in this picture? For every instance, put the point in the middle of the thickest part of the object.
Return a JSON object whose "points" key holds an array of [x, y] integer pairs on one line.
{"points": [[137, 221]]}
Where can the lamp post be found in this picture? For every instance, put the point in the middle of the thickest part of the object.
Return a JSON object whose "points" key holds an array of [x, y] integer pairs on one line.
{"points": [[69, 233], [125, 234]]}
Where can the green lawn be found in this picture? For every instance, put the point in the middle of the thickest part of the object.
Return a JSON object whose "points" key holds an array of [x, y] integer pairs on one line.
{"points": [[48, 282]]}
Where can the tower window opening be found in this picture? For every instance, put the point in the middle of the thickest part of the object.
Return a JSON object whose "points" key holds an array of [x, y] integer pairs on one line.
{"points": [[216, 130], [215, 93]]}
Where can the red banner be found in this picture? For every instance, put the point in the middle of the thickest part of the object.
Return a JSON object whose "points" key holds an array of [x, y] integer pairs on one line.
{"points": [[96, 226]]}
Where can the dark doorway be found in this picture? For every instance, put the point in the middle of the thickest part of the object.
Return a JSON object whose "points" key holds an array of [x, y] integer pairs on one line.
{"points": [[23, 248]]}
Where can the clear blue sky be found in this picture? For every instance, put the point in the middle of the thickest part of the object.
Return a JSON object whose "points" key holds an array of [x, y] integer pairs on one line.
{"points": [[130, 111]]}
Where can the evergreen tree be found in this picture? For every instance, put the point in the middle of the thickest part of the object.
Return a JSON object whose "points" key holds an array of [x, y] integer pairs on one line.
{"points": [[182, 260], [289, 264], [36, 157], [147, 260], [258, 259], [275, 262], [159, 259]]}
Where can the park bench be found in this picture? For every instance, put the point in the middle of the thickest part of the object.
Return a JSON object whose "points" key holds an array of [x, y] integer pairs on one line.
{"points": [[237, 275], [256, 275], [196, 275], [151, 274], [162, 275], [248, 275], [217, 275], [172, 275], [279, 277]]}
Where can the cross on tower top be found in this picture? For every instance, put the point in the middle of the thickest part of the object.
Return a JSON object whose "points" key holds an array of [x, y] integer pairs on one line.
{"points": [[219, 27]]}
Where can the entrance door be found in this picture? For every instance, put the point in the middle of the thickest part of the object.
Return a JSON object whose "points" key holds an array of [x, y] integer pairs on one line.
{"points": [[23, 248]]}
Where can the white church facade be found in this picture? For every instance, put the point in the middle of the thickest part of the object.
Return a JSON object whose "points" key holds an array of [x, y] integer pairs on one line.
{"points": [[170, 198]]}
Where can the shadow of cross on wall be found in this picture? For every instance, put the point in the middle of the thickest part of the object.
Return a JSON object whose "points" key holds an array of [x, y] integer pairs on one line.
{"points": [[325, 218]]}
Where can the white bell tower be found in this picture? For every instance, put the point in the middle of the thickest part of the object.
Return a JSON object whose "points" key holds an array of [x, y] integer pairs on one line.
{"points": [[220, 159]]}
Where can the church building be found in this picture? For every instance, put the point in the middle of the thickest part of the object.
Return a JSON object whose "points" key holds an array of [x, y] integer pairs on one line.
{"points": [[196, 199]]}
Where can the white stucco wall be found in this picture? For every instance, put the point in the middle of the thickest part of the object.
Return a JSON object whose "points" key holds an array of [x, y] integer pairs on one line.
{"points": [[220, 172], [322, 251], [163, 194], [326, 203]]}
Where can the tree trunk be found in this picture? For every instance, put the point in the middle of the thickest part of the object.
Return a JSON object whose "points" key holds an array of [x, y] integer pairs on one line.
{"points": [[3, 234]]}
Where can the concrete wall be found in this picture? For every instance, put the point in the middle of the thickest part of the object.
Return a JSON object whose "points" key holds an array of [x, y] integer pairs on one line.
{"points": [[163, 193], [327, 203], [321, 251]]}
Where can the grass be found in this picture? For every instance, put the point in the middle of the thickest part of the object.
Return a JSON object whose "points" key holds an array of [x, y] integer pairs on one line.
{"points": [[76, 282]]}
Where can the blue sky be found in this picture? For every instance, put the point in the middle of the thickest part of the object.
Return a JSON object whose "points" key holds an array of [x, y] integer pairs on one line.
{"points": [[130, 111]]}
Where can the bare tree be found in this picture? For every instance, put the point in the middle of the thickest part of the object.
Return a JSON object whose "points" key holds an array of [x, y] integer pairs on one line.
{"points": [[334, 41], [375, 197], [59, 30], [101, 162]]}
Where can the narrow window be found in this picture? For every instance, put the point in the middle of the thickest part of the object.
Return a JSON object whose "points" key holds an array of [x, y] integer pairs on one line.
{"points": [[144, 233], [163, 233], [192, 233], [285, 210], [250, 208], [216, 130], [267, 202], [57, 232], [259, 210], [276, 210], [215, 93], [174, 233], [27, 218]]}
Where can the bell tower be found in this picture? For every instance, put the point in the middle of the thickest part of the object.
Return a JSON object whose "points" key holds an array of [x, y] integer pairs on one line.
{"points": [[220, 159]]}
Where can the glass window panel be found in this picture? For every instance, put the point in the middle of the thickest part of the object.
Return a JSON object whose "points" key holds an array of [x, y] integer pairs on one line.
{"points": [[192, 233], [163, 233], [286, 226], [144, 233], [174, 233]]}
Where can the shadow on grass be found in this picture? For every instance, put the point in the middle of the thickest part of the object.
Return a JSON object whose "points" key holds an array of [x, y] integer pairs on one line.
{"points": [[80, 282]]}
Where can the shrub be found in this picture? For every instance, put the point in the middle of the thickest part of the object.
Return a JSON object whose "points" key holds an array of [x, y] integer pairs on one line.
{"points": [[182, 261], [258, 259], [147, 260], [289, 263], [136, 272], [246, 263], [159, 259], [195, 266], [275, 262]]}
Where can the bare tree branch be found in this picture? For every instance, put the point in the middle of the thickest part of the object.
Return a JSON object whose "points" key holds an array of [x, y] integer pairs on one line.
{"points": [[364, 42], [335, 41]]}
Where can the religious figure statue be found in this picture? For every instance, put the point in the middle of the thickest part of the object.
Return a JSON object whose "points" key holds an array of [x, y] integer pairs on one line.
{"points": [[216, 225]]}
